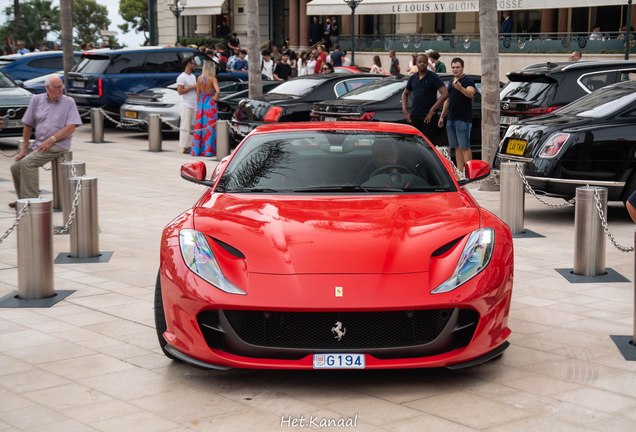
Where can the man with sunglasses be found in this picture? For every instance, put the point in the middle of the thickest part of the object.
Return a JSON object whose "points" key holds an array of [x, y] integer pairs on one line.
{"points": [[54, 117], [424, 86], [186, 87]]}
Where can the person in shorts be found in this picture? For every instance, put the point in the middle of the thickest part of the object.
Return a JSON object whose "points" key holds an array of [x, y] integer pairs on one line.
{"points": [[459, 111]]}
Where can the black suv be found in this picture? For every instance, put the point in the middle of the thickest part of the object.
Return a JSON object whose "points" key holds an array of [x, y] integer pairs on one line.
{"points": [[104, 76], [541, 88]]}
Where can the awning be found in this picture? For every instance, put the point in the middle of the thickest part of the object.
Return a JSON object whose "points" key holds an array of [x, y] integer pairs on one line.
{"points": [[382, 7], [204, 7]]}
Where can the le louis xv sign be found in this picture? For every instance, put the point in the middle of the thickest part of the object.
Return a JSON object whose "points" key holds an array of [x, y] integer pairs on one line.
{"points": [[452, 6]]}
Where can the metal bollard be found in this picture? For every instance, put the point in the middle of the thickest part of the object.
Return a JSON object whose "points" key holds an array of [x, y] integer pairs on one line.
{"points": [[35, 250], [67, 193], [97, 126], [589, 236], [154, 133], [511, 197], [21, 143], [222, 139], [85, 227], [56, 174]]}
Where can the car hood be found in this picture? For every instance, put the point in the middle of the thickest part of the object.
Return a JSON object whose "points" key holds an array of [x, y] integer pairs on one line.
{"points": [[349, 103], [15, 96], [336, 234]]}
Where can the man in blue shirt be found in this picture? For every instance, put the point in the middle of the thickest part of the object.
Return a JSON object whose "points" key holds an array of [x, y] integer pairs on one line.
{"points": [[240, 65], [21, 49], [336, 56], [458, 106], [423, 86]]}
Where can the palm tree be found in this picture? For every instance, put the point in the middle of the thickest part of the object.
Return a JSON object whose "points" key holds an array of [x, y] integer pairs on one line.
{"points": [[253, 46], [489, 82], [66, 21], [16, 18]]}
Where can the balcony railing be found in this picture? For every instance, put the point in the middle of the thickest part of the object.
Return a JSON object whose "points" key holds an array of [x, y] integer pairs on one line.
{"points": [[603, 43]]}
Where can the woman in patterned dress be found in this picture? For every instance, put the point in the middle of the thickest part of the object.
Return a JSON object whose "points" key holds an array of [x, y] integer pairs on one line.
{"points": [[204, 140]]}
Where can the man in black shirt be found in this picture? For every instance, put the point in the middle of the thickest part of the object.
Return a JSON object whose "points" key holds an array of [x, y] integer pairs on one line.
{"points": [[424, 86], [282, 70], [233, 42], [461, 90], [336, 56], [223, 30], [315, 32]]}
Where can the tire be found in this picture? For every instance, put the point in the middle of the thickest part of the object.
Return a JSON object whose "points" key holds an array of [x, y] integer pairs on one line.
{"points": [[160, 319], [630, 187]]}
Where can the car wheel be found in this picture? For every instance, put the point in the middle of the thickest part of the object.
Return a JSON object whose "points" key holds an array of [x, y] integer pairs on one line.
{"points": [[160, 319], [630, 187]]}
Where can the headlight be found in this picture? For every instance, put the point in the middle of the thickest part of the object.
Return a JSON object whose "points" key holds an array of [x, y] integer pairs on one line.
{"points": [[199, 258], [475, 257]]}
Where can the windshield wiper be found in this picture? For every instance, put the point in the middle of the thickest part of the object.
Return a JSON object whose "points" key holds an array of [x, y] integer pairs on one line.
{"points": [[346, 188], [256, 190]]}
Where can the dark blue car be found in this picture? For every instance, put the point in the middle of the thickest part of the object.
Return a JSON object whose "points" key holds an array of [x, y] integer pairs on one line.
{"points": [[104, 76], [24, 67]]}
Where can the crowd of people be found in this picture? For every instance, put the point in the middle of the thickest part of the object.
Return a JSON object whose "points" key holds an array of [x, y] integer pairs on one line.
{"points": [[9, 47]]}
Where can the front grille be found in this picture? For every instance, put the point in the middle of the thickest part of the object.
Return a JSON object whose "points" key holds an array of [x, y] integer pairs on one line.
{"points": [[318, 330], [17, 112]]}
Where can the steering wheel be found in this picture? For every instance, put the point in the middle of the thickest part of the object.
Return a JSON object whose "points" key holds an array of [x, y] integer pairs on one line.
{"points": [[404, 169]]}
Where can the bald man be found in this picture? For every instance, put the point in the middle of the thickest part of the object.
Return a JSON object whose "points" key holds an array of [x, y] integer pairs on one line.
{"points": [[54, 117]]}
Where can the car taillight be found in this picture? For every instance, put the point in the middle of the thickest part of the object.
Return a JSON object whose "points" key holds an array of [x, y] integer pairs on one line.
{"points": [[99, 85], [553, 145], [367, 116], [534, 112], [273, 114]]}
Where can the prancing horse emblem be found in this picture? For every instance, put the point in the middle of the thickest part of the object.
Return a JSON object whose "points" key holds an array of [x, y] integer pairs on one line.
{"points": [[337, 330]]}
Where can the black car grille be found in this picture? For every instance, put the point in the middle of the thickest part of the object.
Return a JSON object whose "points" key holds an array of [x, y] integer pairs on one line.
{"points": [[17, 112], [362, 330]]}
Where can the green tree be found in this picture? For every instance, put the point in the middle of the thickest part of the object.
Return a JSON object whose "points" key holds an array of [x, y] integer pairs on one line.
{"points": [[89, 18], [135, 13], [32, 12]]}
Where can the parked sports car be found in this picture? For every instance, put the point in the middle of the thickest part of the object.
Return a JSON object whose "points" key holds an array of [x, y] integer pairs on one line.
{"points": [[334, 245], [293, 100], [354, 69], [590, 141]]}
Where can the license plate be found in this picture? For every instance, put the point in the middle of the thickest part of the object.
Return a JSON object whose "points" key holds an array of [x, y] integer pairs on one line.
{"points": [[243, 129], [508, 120], [78, 84], [339, 361], [516, 147], [131, 114], [15, 124], [331, 119]]}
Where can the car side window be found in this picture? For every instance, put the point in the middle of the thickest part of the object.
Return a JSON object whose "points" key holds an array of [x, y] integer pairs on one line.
{"points": [[628, 75], [341, 89], [127, 63], [164, 62], [345, 87], [596, 81], [48, 63]]}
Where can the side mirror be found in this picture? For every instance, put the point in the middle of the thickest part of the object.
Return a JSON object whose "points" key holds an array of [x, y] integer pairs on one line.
{"points": [[195, 172], [475, 170], [19, 83]]}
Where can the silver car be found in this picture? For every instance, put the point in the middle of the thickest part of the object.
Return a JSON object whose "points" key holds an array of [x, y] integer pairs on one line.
{"points": [[14, 102], [165, 101]]}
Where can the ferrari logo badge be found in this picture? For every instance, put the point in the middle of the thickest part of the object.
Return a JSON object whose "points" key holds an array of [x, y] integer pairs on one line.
{"points": [[338, 291], [338, 330]]}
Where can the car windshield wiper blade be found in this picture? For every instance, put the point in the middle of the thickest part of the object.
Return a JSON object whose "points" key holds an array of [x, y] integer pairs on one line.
{"points": [[263, 190], [346, 188]]}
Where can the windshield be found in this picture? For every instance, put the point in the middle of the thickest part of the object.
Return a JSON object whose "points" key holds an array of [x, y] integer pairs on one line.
{"points": [[601, 103], [376, 91], [296, 87], [335, 162], [531, 89], [5, 81]]}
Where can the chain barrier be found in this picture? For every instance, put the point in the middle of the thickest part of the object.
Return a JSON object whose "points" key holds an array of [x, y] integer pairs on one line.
{"points": [[121, 124], [46, 169], [10, 155], [15, 222], [534, 194], [176, 128], [599, 207], [71, 215], [460, 175], [86, 114]]}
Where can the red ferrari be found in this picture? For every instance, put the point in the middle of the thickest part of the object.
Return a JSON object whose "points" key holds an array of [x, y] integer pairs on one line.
{"points": [[334, 245]]}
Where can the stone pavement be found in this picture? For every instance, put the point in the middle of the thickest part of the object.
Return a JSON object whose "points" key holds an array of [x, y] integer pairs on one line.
{"points": [[92, 362]]}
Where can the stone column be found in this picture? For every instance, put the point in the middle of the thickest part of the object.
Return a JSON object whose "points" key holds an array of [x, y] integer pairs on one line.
{"points": [[548, 20], [304, 26], [293, 25], [563, 20]]}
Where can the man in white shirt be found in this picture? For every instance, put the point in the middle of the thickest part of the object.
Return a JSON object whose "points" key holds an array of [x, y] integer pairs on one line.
{"points": [[596, 33], [267, 65], [186, 87]]}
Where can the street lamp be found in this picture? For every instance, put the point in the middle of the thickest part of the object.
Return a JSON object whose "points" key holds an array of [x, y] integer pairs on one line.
{"points": [[176, 10], [45, 26], [353, 4]]}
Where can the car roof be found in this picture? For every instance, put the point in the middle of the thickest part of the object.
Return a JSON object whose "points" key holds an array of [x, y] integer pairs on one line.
{"points": [[113, 51], [554, 67], [33, 55], [337, 126]]}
